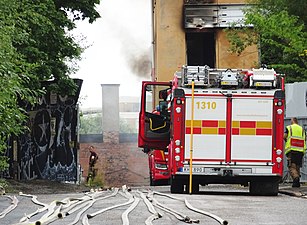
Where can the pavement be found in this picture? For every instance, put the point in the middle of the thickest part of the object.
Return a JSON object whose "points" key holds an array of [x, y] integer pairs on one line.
{"points": [[287, 189]]}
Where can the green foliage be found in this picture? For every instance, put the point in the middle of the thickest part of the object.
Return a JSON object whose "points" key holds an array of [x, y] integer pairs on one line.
{"points": [[125, 127], [13, 82], [46, 43], [34, 48], [279, 28], [92, 124], [3, 186], [241, 38], [97, 182]]}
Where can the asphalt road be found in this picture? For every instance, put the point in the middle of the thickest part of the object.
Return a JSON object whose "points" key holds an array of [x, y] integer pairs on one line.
{"points": [[225, 202]]}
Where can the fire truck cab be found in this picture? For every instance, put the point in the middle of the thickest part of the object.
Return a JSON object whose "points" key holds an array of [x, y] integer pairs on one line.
{"points": [[222, 126]]}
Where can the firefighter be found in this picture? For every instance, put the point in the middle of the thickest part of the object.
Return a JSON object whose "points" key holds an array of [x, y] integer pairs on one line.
{"points": [[295, 148], [92, 161]]}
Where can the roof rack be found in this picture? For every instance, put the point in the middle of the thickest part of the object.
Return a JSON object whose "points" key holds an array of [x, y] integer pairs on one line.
{"points": [[205, 77]]}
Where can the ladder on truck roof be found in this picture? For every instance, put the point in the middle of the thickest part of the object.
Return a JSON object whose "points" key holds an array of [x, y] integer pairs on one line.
{"points": [[206, 77]]}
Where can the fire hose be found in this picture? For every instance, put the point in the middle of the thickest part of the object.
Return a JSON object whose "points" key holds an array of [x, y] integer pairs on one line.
{"points": [[131, 207], [87, 205], [85, 219], [189, 206], [178, 215], [155, 215], [14, 202], [35, 201], [60, 209]]}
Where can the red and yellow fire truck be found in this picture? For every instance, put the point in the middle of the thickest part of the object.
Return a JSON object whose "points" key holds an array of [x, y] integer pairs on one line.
{"points": [[218, 126]]}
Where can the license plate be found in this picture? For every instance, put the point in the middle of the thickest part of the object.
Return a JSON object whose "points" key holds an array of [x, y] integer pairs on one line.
{"points": [[263, 84], [194, 169], [229, 83]]}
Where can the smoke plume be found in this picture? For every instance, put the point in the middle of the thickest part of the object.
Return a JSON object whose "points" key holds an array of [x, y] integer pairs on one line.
{"points": [[140, 64]]}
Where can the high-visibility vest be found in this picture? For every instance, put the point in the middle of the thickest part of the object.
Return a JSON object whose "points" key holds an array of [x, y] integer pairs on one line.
{"points": [[296, 139]]}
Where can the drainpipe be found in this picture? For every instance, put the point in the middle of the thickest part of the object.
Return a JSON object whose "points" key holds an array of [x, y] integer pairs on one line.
{"points": [[153, 41]]}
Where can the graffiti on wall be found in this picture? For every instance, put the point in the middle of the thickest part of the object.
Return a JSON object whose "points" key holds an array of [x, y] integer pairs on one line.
{"points": [[49, 149]]}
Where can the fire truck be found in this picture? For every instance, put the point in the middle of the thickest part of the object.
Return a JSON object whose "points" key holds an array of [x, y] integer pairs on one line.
{"points": [[158, 169], [219, 126]]}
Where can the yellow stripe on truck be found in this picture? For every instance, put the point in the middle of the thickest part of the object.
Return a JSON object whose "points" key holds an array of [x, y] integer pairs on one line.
{"points": [[247, 131], [209, 130], [264, 124]]}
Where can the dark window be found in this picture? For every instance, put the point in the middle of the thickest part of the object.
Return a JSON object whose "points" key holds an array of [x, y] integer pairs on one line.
{"points": [[201, 49]]}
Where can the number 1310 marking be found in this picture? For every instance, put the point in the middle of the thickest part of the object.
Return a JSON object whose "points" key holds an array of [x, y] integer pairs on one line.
{"points": [[206, 105]]}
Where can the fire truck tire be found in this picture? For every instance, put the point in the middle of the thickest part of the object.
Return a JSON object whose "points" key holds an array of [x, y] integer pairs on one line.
{"points": [[195, 188], [176, 187], [268, 188], [152, 182]]}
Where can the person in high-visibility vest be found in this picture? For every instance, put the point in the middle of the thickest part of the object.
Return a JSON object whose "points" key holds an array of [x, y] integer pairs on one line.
{"points": [[295, 149]]}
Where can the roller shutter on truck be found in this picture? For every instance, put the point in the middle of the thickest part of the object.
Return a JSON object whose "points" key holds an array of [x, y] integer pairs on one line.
{"points": [[234, 130]]}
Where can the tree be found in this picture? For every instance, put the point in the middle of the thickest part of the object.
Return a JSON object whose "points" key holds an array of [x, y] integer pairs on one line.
{"points": [[48, 44], [34, 48], [13, 80], [279, 30]]}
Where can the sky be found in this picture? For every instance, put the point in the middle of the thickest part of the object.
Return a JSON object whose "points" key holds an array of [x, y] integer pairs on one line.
{"points": [[119, 49]]}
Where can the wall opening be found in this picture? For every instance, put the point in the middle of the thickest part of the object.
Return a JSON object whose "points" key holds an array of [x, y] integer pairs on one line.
{"points": [[201, 49]]}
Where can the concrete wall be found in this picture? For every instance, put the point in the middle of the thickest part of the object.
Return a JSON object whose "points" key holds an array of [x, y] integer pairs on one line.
{"points": [[110, 112]]}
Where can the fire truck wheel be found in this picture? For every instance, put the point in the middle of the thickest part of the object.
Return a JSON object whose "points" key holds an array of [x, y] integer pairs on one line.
{"points": [[176, 186], [195, 188], [152, 182], [269, 188]]}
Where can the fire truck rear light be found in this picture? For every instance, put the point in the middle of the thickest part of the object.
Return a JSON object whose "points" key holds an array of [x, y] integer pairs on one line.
{"points": [[279, 103], [177, 158], [178, 102], [178, 109], [278, 159], [177, 150], [278, 152], [177, 142], [180, 169], [279, 111]]}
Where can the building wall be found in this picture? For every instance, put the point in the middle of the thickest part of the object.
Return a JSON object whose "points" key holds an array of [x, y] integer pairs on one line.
{"points": [[170, 44], [225, 59], [169, 38]]}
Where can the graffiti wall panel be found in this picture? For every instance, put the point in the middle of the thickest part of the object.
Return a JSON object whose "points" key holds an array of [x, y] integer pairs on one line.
{"points": [[49, 149]]}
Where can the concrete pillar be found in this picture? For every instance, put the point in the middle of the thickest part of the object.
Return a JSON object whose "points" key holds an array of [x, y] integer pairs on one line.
{"points": [[110, 113]]}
